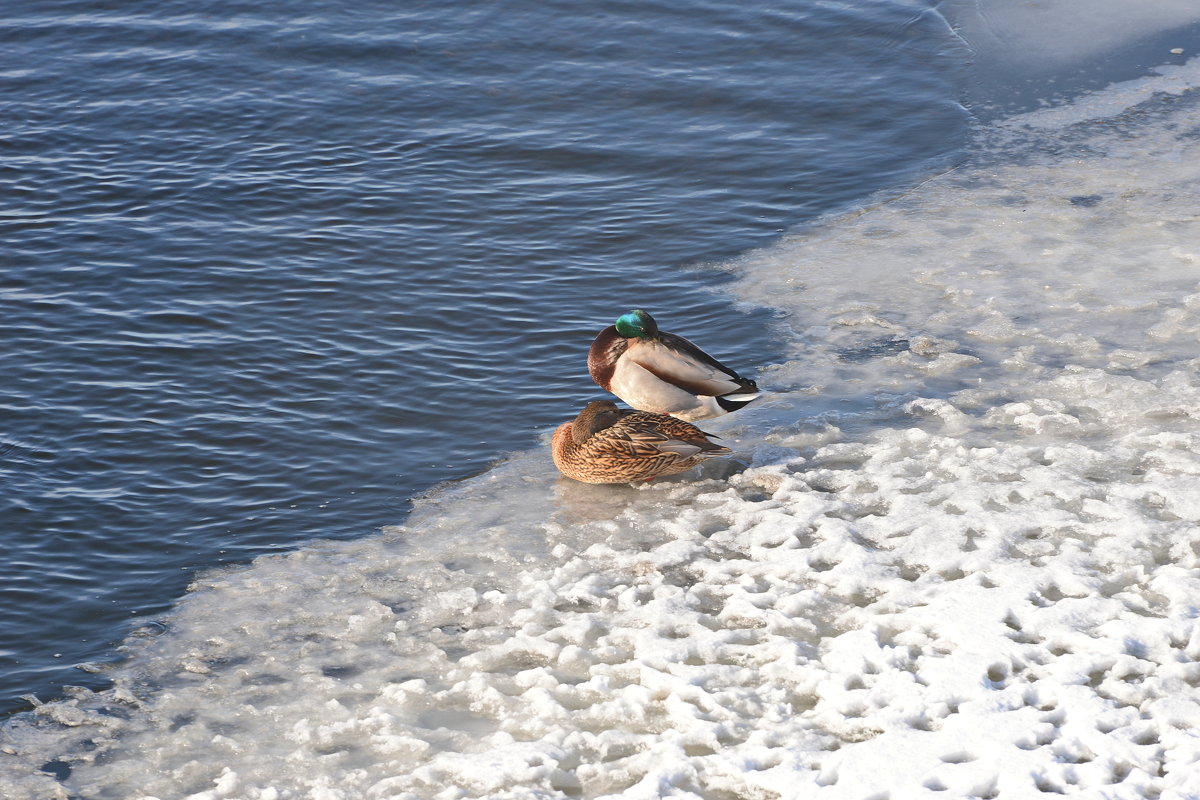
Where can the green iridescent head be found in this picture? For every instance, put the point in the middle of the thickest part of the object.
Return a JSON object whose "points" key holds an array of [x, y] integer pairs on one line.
{"points": [[637, 323]]}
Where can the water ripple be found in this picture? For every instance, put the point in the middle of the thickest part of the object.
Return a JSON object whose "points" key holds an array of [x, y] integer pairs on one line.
{"points": [[270, 272]]}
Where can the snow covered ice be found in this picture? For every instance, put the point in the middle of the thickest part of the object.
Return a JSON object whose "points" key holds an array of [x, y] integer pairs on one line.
{"points": [[960, 556]]}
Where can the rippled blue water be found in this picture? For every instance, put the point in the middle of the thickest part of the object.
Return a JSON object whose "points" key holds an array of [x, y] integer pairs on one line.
{"points": [[272, 269]]}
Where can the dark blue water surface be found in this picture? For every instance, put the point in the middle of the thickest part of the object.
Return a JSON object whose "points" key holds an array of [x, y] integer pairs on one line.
{"points": [[271, 269]]}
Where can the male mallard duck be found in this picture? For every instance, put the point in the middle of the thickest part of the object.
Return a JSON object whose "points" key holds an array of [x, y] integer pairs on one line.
{"points": [[653, 370], [606, 444]]}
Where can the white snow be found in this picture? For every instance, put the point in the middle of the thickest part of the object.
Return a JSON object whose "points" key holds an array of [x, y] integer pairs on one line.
{"points": [[961, 557]]}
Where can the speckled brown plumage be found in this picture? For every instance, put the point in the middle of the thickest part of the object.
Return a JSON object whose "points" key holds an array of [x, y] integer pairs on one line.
{"points": [[605, 444]]}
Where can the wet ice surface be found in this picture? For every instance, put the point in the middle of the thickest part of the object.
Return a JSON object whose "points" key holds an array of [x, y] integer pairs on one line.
{"points": [[960, 556]]}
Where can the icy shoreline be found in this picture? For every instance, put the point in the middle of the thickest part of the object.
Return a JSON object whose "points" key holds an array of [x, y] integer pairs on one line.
{"points": [[962, 560]]}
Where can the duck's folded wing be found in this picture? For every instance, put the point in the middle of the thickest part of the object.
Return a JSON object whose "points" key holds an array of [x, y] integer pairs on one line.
{"points": [[681, 449], [680, 363], [667, 436], [638, 442], [685, 432], [685, 346]]}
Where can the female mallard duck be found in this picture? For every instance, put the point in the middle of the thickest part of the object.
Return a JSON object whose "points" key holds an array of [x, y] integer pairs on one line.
{"points": [[653, 370], [606, 444]]}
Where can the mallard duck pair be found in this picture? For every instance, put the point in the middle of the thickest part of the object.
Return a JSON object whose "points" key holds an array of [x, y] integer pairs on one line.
{"points": [[671, 382]]}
